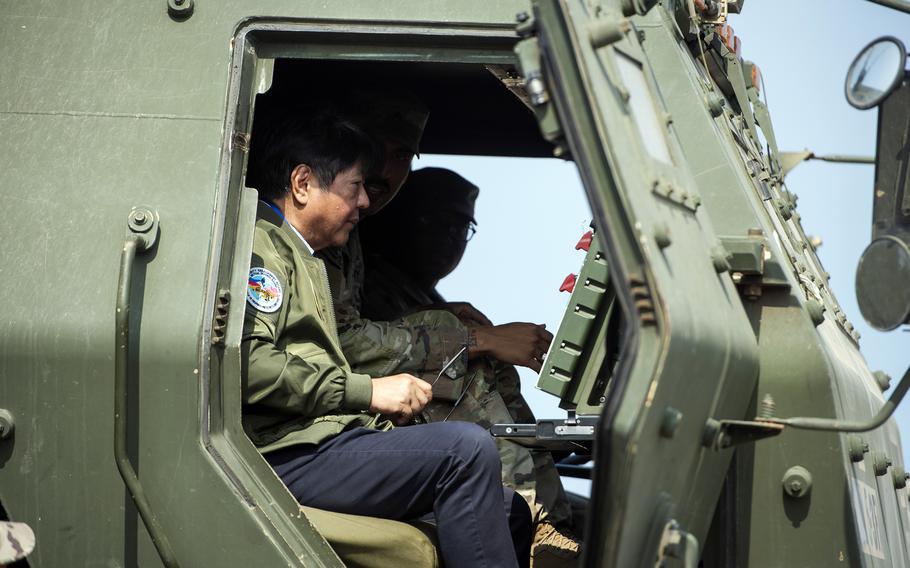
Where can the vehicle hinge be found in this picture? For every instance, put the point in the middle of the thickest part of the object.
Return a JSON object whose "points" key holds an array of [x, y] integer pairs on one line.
{"points": [[240, 141], [531, 64], [643, 303], [723, 434], [221, 313], [678, 544]]}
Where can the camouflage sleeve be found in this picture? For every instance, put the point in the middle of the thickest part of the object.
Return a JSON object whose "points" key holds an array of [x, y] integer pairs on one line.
{"points": [[420, 343]]}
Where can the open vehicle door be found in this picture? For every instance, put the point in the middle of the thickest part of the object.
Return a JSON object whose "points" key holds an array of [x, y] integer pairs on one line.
{"points": [[685, 374]]}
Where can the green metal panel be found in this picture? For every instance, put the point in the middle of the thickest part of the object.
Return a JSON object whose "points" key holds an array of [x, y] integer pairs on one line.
{"points": [[103, 107], [810, 368], [690, 361]]}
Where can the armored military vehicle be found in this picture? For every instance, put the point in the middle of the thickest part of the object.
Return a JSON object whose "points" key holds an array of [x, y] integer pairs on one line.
{"points": [[703, 363]]}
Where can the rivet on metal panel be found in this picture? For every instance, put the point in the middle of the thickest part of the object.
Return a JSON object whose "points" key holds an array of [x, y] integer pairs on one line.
{"points": [[720, 258], [7, 423], [816, 311], [139, 220], [797, 481], [715, 103], [880, 463], [662, 235], [752, 291], [712, 427], [180, 9], [883, 379], [857, 447], [670, 422]]}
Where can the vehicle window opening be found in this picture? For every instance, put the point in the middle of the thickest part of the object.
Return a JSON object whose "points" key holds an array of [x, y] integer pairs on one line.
{"points": [[479, 120]]}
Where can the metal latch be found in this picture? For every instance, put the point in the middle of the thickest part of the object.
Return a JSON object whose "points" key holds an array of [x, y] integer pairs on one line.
{"points": [[679, 544], [578, 430], [723, 434]]}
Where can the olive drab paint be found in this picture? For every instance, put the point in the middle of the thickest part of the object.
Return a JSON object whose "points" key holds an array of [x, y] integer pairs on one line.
{"points": [[700, 316]]}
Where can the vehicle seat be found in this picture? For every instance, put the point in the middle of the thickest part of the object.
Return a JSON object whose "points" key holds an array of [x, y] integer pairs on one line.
{"points": [[368, 542]]}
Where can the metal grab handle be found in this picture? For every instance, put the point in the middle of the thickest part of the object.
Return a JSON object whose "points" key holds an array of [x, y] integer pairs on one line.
{"points": [[142, 232], [834, 425]]}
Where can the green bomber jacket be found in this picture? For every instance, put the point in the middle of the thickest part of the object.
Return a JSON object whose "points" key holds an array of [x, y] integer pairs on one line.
{"points": [[297, 385]]}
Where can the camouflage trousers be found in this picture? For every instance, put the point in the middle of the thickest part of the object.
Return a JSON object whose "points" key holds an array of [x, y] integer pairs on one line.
{"points": [[490, 393]]}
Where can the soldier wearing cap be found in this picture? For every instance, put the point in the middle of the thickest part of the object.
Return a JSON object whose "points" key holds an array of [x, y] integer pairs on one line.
{"points": [[428, 340], [437, 206], [417, 240]]}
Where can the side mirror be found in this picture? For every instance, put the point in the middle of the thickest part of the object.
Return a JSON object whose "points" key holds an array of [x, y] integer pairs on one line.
{"points": [[875, 72], [881, 283]]}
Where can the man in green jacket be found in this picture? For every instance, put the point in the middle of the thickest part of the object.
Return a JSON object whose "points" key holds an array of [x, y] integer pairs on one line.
{"points": [[327, 431]]}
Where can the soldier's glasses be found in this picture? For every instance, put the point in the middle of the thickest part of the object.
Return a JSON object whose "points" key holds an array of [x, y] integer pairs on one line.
{"points": [[460, 229]]}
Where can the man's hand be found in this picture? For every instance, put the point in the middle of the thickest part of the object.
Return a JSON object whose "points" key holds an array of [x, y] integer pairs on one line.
{"points": [[400, 396], [522, 344], [468, 314]]}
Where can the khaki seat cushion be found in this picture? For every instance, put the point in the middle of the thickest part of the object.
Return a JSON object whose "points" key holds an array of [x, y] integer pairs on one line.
{"points": [[368, 542]]}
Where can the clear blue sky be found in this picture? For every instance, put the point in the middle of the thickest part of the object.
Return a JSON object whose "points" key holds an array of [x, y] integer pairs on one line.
{"points": [[531, 212]]}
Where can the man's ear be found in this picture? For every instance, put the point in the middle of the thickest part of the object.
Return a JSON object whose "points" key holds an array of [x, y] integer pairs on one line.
{"points": [[302, 183]]}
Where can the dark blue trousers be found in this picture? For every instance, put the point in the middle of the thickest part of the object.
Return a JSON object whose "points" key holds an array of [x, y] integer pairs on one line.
{"points": [[450, 470]]}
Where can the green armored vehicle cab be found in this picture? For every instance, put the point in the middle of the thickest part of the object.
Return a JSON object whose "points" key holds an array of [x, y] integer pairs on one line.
{"points": [[700, 329]]}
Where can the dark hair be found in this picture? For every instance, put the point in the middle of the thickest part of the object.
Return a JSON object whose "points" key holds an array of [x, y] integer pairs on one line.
{"points": [[324, 140]]}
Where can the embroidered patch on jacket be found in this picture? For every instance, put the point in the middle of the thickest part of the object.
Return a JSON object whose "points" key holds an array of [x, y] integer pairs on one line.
{"points": [[263, 290]]}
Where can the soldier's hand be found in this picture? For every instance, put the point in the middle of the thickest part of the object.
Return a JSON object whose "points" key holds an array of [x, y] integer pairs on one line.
{"points": [[522, 344], [400, 396], [468, 314]]}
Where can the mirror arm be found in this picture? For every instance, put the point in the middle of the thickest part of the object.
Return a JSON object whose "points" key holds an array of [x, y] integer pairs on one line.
{"points": [[834, 425], [843, 158], [902, 5]]}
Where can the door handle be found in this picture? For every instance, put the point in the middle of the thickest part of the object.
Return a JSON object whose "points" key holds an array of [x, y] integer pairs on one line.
{"points": [[141, 235]]}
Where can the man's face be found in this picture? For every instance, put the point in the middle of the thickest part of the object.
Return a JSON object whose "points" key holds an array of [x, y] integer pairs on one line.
{"points": [[443, 236], [384, 184], [331, 213]]}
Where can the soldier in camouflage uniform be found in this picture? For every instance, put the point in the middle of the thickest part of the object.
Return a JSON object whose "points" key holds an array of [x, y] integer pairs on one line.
{"points": [[486, 392]]}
